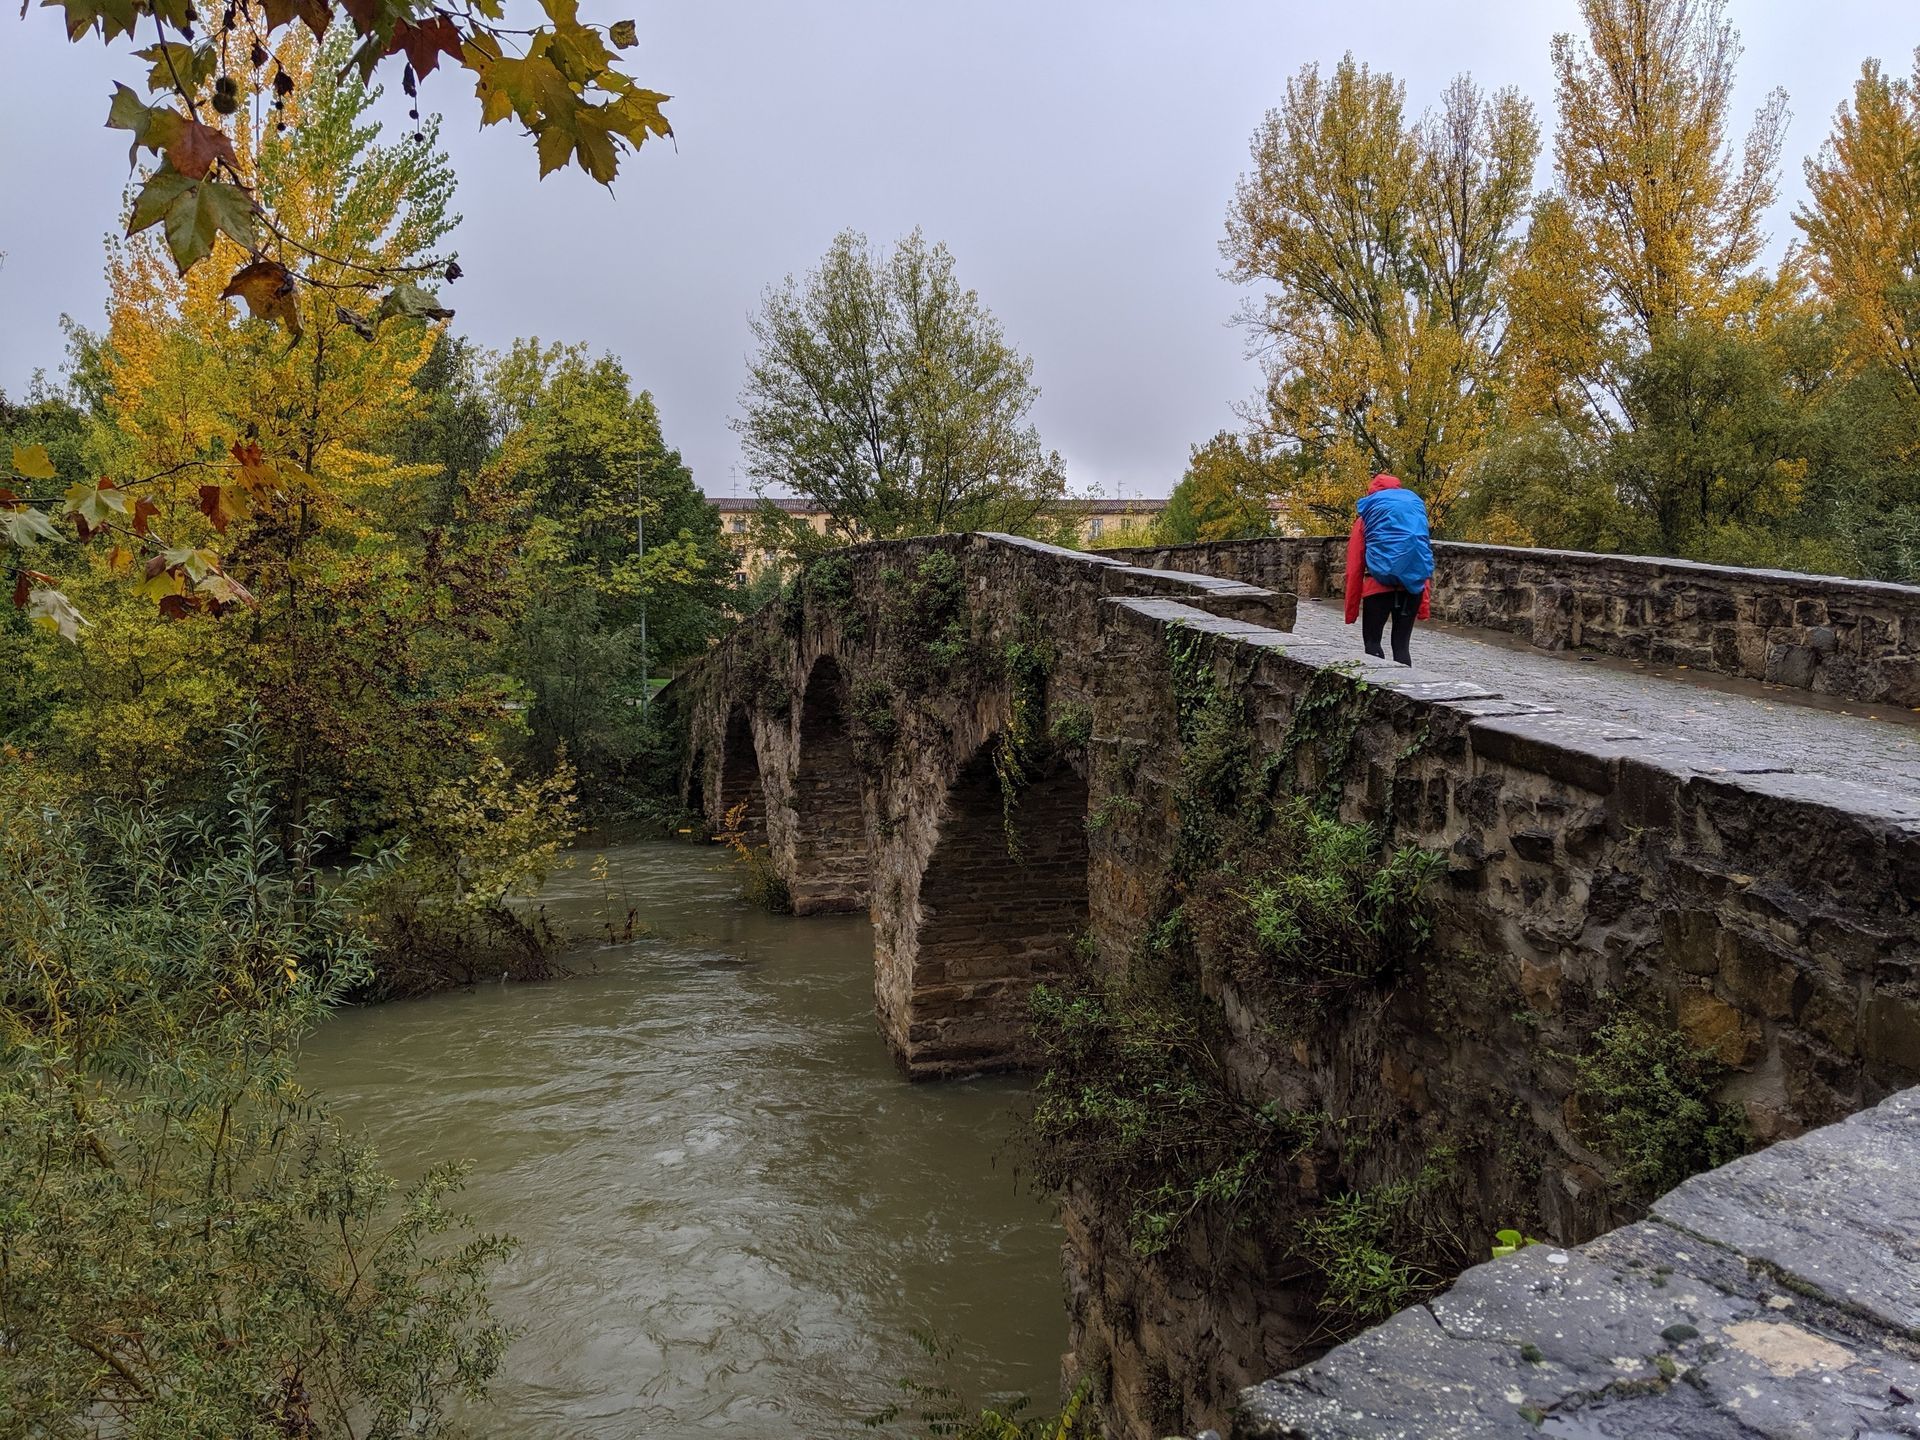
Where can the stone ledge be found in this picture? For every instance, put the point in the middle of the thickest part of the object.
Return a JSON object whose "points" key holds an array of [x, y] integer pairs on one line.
{"points": [[1775, 1297]]}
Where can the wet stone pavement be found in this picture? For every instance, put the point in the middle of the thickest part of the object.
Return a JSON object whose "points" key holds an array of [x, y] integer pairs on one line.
{"points": [[1875, 746]]}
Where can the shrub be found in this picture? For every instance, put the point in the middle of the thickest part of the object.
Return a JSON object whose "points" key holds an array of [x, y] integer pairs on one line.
{"points": [[762, 884], [1132, 1106], [187, 1246], [440, 911], [1378, 1249], [1316, 910], [1647, 1099]]}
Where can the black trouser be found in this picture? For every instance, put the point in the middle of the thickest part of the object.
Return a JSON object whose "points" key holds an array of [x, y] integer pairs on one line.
{"points": [[1403, 606]]}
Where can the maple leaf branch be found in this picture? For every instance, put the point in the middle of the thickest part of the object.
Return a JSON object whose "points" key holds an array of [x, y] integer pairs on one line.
{"points": [[160, 28], [381, 272], [156, 476]]}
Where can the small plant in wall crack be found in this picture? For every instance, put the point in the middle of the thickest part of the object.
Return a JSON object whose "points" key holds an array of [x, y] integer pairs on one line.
{"points": [[1647, 1098], [762, 883]]}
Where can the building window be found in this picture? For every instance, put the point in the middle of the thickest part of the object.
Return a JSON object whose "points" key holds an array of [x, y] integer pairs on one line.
{"points": [[738, 525], [739, 577], [1093, 527]]}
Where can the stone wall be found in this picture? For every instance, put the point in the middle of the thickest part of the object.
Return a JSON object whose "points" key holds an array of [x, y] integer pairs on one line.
{"points": [[1857, 639], [1591, 873], [1777, 1298]]}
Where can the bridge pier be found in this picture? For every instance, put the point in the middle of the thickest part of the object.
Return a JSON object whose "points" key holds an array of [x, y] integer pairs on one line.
{"points": [[829, 866]]}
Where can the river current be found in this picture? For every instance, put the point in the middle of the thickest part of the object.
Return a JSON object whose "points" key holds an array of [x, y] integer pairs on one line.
{"points": [[733, 1212]]}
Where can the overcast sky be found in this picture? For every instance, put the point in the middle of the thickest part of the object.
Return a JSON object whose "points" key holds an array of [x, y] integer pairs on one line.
{"points": [[1078, 158]]}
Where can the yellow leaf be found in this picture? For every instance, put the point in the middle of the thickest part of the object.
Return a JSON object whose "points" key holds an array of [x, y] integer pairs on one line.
{"points": [[160, 585], [32, 462], [267, 287]]}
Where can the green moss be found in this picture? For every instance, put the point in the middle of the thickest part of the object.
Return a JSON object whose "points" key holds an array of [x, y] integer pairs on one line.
{"points": [[1326, 718], [1112, 808], [876, 725], [1025, 746], [1072, 728]]}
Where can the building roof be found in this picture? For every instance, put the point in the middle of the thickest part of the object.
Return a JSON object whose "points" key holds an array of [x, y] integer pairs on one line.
{"points": [[1141, 505], [735, 505]]}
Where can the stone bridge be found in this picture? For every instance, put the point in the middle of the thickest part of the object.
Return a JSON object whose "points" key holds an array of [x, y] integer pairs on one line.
{"points": [[1680, 792]]}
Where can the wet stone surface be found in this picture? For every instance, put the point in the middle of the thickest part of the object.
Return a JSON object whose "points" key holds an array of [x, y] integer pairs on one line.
{"points": [[1773, 728], [1774, 1297]]}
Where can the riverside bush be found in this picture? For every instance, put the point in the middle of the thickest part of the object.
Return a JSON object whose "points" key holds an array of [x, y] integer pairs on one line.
{"points": [[188, 1246]]}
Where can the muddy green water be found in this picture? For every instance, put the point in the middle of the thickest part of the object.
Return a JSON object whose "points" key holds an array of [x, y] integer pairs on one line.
{"points": [[732, 1210]]}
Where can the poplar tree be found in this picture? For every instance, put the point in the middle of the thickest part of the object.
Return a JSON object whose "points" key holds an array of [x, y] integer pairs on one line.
{"points": [[1385, 242], [1655, 217]]}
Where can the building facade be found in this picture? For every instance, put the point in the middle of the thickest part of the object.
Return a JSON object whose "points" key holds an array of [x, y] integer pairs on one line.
{"points": [[1099, 523]]}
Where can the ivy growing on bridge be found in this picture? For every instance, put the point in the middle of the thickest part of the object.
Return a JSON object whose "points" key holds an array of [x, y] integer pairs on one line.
{"points": [[1268, 891]]}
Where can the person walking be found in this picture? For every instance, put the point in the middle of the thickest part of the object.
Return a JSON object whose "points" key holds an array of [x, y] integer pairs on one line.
{"points": [[1389, 566]]}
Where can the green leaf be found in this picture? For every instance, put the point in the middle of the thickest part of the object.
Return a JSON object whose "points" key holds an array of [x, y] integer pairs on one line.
{"points": [[95, 504], [407, 301], [155, 127], [595, 147], [33, 462], [129, 112], [165, 186], [195, 211], [54, 611], [555, 147], [28, 527], [197, 563], [178, 67], [636, 115], [115, 17]]}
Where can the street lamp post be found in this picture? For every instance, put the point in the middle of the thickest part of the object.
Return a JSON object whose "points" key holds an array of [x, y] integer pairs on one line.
{"points": [[640, 533]]}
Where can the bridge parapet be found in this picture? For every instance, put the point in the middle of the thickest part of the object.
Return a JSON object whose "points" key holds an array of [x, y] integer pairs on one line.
{"points": [[1855, 639], [1609, 896], [1777, 1296]]}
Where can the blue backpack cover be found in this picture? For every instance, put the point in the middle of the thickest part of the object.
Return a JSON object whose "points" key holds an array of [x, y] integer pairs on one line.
{"points": [[1398, 550]]}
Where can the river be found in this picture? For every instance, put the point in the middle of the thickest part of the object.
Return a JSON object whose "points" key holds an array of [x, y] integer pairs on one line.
{"points": [[732, 1211]]}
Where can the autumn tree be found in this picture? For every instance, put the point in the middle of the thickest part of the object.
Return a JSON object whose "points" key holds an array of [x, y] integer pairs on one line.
{"points": [[1862, 225], [208, 92], [888, 393], [1385, 242], [380, 595], [1226, 494], [1655, 217], [1862, 220]]}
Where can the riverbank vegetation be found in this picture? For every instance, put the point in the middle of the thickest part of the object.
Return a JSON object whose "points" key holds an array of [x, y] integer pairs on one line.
{"points": [[325, 634], [187, 1245]]}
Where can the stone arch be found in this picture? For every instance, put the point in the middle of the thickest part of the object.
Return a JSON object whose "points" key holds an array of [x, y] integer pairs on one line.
{"points": [[995, 916], [832, 868], [740, 780]]}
